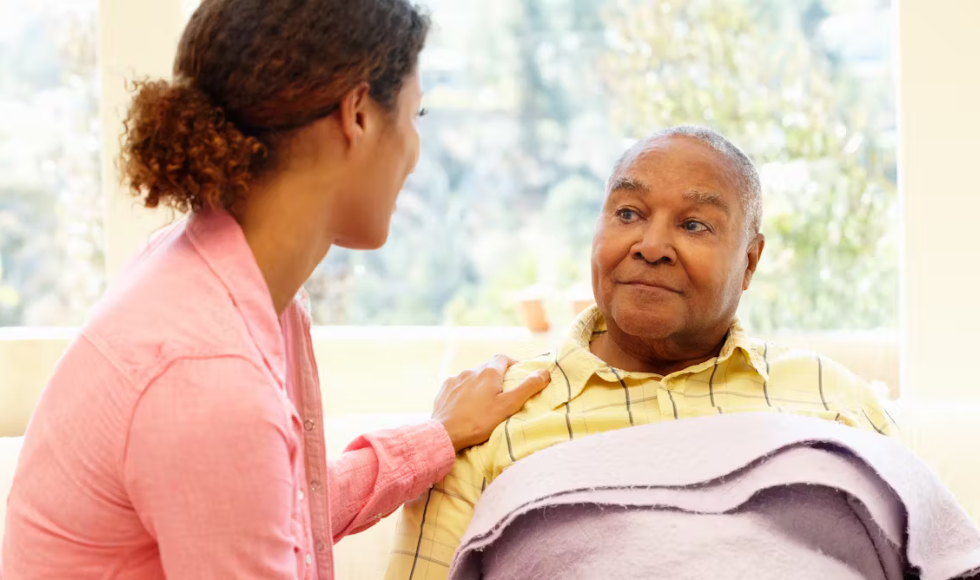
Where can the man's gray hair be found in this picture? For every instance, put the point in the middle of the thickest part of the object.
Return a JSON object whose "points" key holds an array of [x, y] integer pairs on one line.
{"points": [[749, 185]]}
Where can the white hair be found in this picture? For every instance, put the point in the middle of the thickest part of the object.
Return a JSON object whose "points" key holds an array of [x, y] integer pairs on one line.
{"points": [[749, 185]]}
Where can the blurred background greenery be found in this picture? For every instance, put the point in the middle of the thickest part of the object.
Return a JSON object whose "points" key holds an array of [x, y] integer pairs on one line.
{"points": [[530, 103]]}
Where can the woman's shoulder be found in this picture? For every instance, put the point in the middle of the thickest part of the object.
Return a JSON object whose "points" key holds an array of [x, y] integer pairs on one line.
{"points": [[168, 305]]}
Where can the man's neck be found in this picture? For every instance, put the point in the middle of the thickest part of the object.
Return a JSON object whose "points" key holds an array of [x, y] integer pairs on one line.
{"points": [[661, 357]]}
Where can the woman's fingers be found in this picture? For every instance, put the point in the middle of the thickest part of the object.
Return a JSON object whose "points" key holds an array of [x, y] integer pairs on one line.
{"points": [[472, 404], [500, 363], [531, 386]]}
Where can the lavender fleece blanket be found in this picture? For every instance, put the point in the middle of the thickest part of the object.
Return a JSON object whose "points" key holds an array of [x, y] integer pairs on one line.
{"points": [[760, 496]]}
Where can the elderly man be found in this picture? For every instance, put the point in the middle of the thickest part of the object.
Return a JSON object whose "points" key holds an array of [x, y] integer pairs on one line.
{"points": [[676, 245]]}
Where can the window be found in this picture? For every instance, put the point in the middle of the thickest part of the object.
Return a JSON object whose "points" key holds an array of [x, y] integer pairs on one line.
{"points": [[51, 265], [531, 101]]}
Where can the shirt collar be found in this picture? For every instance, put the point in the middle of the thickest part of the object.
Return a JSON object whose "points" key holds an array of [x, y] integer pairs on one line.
{"points": [[576, 364], [221, 243]]}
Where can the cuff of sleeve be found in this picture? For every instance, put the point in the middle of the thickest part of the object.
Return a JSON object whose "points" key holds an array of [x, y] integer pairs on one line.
{"points": [[434, 454]]}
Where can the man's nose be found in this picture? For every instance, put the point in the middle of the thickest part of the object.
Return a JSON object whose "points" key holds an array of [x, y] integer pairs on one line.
{"points": [[657, 244]]}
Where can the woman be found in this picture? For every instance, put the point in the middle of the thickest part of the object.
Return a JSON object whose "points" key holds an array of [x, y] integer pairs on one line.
{"points": [[180, 436]]}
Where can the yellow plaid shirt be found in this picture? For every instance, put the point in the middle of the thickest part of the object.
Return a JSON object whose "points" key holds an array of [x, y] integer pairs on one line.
{"points": [[588, 396]]}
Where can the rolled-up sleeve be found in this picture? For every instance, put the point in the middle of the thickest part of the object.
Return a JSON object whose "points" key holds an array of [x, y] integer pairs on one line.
{"points": [[210, 469], [380, 471]]}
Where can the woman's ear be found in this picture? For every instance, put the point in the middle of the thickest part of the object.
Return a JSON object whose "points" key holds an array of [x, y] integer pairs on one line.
{"points": [[353, 112]]}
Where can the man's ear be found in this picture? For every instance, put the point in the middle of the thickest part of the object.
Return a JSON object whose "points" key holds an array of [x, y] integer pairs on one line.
{"points": [[753, 254], [353, 112]]}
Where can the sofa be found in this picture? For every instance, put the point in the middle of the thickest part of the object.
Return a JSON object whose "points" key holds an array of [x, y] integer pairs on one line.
{"points": [[944, 433]]}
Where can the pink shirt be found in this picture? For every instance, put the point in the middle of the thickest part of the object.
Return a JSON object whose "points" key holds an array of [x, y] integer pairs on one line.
{"points": [[181, 435]]}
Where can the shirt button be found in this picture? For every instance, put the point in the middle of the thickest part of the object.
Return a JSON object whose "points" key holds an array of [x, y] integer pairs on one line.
{"points": [[320, 546], [314, 485], [309, 424], [300, 495], [309, 559]]}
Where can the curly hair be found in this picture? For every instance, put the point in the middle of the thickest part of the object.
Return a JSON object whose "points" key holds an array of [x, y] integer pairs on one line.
{"points": [[249, 72]]}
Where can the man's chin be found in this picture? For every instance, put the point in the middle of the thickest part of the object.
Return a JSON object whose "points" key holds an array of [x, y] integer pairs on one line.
{"points": [[646, 326]]}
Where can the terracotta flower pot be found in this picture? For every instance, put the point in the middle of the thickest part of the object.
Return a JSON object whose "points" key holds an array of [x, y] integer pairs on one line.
{"points": [[533, 314], [580, 297], [579, 306]]}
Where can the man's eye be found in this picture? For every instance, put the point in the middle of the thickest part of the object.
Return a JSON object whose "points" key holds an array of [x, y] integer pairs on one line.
{"points": [[423, 112], [695, 226], [627, 215]]}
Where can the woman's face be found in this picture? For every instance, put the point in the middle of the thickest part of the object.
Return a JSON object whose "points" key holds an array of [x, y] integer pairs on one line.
{"points": [[377, 170]]}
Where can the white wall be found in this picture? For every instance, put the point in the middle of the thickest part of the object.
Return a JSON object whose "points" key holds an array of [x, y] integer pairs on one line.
{"points": [[939, 100]]}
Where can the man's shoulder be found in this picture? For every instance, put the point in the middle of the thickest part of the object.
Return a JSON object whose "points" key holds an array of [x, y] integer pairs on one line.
{"points": [[864, 400], [789, 362], [778, 353]]}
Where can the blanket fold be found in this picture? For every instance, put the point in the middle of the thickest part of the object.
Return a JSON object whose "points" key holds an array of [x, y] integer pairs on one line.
{"points": [[737, 496]]}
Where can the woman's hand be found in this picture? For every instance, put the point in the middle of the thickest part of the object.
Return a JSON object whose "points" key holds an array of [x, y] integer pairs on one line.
{"points": [[472, 404]]}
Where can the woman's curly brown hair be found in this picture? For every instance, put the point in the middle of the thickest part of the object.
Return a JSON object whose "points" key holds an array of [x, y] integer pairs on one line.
{"points": [[247, 73]]}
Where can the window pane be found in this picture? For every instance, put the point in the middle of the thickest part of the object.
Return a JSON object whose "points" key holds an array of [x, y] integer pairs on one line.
{"points": [[51, 265], [531, 101]]}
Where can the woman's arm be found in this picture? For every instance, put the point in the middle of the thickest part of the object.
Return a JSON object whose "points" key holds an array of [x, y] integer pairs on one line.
{"points": [[210, 468], [380, 471], [383, 470]]}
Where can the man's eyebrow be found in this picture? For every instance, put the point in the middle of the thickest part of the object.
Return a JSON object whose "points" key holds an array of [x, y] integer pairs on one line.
{"points": [[627, 184], [702, 197]]}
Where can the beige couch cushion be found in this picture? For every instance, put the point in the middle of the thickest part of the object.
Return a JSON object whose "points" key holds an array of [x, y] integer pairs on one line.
{"points": [[9, 449]]}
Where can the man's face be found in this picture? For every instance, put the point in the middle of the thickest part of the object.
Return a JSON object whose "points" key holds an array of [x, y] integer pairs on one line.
{"points": [[671, 256]]}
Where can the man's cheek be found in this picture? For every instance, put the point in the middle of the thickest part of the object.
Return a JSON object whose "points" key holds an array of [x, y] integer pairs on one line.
{"points": [[608, 257]]}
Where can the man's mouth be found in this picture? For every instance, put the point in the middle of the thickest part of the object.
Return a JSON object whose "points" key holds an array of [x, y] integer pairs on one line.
{"points": [[649, 285]]}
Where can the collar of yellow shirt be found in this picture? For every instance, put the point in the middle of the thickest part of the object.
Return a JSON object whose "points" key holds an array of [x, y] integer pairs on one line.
{"points": [[576, 363]]}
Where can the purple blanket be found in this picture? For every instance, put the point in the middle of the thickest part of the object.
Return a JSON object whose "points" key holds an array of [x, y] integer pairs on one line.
{"points": [[760, 496]]}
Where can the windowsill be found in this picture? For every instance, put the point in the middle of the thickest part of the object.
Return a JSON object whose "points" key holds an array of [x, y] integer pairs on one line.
{"points": [[26, 333], [450, 333], [503, 333]]}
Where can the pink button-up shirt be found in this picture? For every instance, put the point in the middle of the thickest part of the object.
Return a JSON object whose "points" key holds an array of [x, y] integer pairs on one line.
{"points": [[181, 435]]}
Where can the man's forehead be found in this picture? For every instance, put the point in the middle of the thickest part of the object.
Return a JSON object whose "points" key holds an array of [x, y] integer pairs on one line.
{"points": [[642, 161], [643, 149], [666, 147]]}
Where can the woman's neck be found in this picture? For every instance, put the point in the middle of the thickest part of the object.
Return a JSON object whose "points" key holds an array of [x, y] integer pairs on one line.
{"points": [[287, 236]]}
